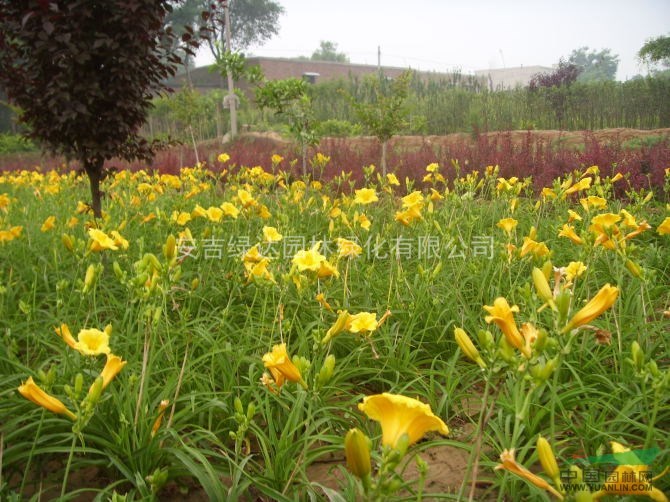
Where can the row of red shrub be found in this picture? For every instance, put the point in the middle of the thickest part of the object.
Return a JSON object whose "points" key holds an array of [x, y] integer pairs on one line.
{"points": [[532, 156]]}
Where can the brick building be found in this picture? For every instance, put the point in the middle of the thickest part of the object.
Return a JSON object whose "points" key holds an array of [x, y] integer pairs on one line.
{"points": [[280, 68]]}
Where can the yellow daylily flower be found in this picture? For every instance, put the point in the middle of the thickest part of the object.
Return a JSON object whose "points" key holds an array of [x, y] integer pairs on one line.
{"points": [[413, 199], [33, 392], [664, 227], [503, 316], [214, 214], [412, 213], [605, 221], [365, 196], [101, 241], [364, 222], [278, 361], [270, 234], [252, 255], [548, 193], [245, 198], [309, 259], [628, 219], [4, 201], [574, 269], [435, 195], [229, 210], [199, 212], [93, 342], [11, 234], [64, 332], [400, 415], [119, 241], [529, 333], [569, 232], [630, 480], [582, 184], [392, 179], [642, 227], [48, 224], [507, 224], [363, 322], [603, 300], [573, 216], [181, 218], [113, 367], [531, 246], [347, 248], [258, 270], [327, 269], [510, 464]]}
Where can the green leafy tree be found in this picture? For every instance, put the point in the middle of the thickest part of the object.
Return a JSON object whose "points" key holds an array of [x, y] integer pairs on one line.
{"points": [[595, 66], [656, 51], [385, 113], [84, 75], [327, 51], [252, 21], [290, 99]]}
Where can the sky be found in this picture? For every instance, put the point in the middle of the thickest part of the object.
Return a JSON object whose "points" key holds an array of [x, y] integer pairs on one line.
{"points": [[466, 35]]}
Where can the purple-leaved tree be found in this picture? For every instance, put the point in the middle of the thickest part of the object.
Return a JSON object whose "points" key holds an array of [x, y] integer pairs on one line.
{"points": [[84, 74]]}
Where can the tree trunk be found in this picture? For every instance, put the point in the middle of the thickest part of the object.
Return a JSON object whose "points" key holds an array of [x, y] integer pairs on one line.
{"points": [[93, 169], [195, 145], [304, 159], [384, 143]]}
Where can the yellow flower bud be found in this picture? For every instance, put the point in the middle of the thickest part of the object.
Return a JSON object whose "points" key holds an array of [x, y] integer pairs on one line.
{"points": [[603, 300], [326, 371], [170, 247], [68, 242], [343, 320], [634, 269], [547, 458], [542, 285], [357, 452], [467, 347], [89, 279], [638, 356]]}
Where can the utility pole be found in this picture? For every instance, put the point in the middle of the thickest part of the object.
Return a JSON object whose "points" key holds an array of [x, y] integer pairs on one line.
{"points": [[231, 99], [379, 59]]}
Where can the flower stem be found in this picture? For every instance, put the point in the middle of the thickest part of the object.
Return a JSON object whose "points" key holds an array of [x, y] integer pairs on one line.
{"points": [[67, 466]]}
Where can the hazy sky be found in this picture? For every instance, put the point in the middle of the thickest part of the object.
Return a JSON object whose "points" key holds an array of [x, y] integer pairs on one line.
{"points": [[467, 34]]}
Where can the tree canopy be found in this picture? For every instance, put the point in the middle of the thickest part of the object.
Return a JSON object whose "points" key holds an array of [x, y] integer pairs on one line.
{"points": [[252, 22], [595, 66], [84, 74], [564, 74], [327, 51], [656, 50]]}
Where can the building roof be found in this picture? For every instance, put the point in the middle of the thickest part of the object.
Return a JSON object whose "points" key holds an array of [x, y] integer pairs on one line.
{"points": [[204, 79]]}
